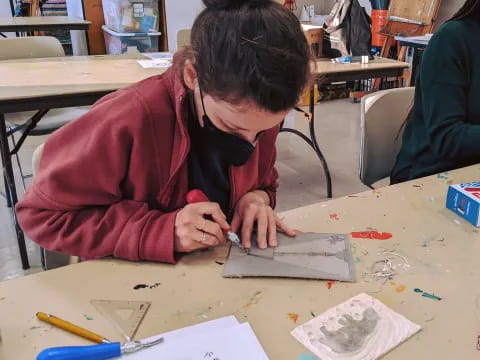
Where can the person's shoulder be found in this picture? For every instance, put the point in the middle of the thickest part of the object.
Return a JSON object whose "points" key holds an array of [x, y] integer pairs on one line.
{"points": [[456, 31]]}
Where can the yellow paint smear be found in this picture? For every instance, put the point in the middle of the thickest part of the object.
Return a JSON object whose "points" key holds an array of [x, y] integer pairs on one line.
{"points": [[293, 317]]}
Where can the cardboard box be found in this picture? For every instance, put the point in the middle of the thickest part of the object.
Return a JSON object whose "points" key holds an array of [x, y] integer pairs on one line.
{"points": [[119, 43], [131, 15], [464, 199]]}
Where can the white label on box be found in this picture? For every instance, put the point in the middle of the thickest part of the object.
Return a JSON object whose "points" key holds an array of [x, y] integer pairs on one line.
{"points": [[138, 10]]}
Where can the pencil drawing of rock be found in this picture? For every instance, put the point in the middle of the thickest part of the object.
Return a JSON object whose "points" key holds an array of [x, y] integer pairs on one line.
{"points": [[361, 328], [352, 335]]}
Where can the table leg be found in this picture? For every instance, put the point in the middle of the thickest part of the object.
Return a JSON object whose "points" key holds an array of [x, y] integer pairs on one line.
{"points": [[11, 190], [7, 192], [315, 146], [312, 141]]}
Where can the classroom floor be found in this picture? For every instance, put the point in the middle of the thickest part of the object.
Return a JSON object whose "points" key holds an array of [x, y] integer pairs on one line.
{"points": [[302, 180]]}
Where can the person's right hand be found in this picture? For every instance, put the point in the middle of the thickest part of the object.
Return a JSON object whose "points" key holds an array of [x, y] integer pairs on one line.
{"points": [[193, 231]]}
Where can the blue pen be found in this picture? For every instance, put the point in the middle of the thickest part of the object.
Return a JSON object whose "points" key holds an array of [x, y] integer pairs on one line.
{"points": [[96, 352]]}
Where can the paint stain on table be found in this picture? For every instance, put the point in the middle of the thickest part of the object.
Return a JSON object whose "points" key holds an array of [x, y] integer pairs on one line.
{"points": [[293, 317], [253, 300], [307, 357], [400, 288], [334, 217], [374, 235], [140, 286], [330, 284], [145, 286], [427, 295]]}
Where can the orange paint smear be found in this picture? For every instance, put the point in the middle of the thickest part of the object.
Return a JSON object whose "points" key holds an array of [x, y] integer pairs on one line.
{"points": [[334, 217], [374, 235], [293, 317], [329, 284], [400, 288]]}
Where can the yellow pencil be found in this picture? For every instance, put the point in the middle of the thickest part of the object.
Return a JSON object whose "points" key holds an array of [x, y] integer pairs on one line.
{"points": [[74, 329]]}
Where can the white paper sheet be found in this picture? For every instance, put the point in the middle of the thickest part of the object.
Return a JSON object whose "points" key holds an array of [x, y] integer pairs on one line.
{"points": [[155, 63], [222, 339], [159, 55], [361, 328]]}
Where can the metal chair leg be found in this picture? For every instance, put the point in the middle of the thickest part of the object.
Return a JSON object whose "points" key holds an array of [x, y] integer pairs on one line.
{"points": [[10, 185], [7, 192], [22, 176]]}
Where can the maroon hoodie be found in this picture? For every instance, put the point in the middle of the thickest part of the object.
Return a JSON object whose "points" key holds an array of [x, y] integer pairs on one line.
{"points": [[112, 182]]}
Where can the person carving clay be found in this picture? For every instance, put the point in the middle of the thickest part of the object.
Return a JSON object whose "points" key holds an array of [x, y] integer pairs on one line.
{"points": [[114, 182], [443, 130]]}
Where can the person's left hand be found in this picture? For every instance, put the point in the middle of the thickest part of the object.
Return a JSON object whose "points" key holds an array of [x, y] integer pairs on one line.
{"points": [[253, 208]]}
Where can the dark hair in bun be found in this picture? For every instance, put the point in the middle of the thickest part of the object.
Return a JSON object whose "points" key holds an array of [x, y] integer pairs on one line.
{"points": [[232, 4], [250, 50]]}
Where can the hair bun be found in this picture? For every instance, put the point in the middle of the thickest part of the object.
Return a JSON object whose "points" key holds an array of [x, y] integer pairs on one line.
{"points": [[232, 4]]}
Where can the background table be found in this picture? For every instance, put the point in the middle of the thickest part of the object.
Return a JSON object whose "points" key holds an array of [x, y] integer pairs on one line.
{"points": [[442, 251], [327, 72], [42, 23]]}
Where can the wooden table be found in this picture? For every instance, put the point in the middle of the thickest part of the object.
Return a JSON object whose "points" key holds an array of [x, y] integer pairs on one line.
{"points": [[441, 249], [42, 23], [327, 72], [34, 84]]}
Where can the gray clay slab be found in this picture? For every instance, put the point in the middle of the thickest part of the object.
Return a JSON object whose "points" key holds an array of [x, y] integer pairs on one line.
{"points": [[307, 256]]}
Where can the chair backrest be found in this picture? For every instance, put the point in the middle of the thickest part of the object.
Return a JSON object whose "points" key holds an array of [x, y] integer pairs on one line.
{"points": [[382, 116], [37, 154], [183, 38], [30, 47]]}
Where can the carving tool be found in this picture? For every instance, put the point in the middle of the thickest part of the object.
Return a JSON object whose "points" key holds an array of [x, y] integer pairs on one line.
{"points": [[96, 352], [196, 196]]}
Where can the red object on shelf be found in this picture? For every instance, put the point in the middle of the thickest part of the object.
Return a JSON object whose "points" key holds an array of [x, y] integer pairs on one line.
{"points": [[379, 20]]}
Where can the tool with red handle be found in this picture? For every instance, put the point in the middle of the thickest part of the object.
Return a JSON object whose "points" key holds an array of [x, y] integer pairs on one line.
{"points": [[196, 196]]}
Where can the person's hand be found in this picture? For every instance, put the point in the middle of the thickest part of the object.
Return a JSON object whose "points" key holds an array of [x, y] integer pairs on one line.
{"points": [[253, 208], [193, 231]]}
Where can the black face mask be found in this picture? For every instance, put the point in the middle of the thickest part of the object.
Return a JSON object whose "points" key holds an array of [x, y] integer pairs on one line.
{"points": [[233, 149]]}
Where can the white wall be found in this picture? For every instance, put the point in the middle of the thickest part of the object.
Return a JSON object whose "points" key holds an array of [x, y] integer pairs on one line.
{"points": [[5, 8], [180, 15], [447, 9], [366, 4], [79, 39], [5, 12]]}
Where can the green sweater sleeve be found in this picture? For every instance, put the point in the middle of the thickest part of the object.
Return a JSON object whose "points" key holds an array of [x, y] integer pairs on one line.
{"points": [[445, 80]]}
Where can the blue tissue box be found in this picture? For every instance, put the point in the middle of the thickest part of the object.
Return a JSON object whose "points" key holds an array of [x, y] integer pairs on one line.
{"points": [[464, 199]]}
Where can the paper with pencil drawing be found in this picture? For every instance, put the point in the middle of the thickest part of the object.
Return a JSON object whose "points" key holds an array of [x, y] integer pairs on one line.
{"points": [[221, 339], [361, 328]]}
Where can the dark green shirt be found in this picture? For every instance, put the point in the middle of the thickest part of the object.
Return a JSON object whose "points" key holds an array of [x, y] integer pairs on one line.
{"points": [[443, 132]]}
